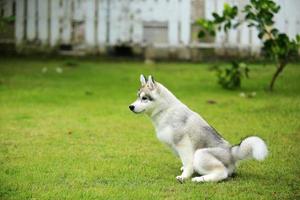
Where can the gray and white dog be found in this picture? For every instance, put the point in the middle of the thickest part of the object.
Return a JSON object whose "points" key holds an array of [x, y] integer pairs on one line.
{"points": [[200, 148]]}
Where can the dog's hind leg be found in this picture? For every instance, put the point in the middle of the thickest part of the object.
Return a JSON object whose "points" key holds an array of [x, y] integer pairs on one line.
{"points": [[209, 166]]}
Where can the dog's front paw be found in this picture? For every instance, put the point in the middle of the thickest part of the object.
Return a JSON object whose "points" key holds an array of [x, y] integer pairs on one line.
{"points": [[182, 168], [180, 179]]}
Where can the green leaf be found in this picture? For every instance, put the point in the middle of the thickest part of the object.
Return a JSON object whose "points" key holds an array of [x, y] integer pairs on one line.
{"points": [[274, 31], [247, 8], [201, 34], [298, 38]]}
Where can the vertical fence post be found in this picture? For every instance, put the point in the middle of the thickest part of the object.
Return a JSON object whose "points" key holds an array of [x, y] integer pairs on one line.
{"points": [[209, 8], [244, 38], [8, 8], [43, 17], [255, 42], [137, 27], [66, 21], [90, 23], [173, 22], [220, 35], [232, 33], [54, 25], [185, 21], [31, 20], [114, 13], [102, 22], [19, 24]]}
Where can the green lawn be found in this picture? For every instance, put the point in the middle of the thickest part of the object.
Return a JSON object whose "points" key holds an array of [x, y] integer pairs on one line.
{"points": [[70, 135]]}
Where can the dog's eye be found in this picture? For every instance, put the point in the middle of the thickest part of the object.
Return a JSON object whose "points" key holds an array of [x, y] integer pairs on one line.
{"points": [[144, 98]]}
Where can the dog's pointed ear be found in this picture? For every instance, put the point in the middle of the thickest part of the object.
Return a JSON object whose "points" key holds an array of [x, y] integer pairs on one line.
{"points": [[151, 83], [143, 79]]}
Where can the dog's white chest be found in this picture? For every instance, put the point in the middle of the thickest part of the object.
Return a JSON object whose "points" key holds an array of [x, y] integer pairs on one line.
{"points": [[165, 135]]}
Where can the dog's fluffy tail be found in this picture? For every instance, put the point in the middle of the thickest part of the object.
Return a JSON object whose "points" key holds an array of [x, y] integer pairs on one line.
{"points": [[251, 147]]}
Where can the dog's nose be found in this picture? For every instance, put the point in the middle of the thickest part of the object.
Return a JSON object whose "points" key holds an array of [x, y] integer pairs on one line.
{"points": [[131, 107]]}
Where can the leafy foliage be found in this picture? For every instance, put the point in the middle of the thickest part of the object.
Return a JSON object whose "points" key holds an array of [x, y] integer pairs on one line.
{"points": [[4, 21], [277, 46], [223, 21], [259, 14], [231, 77]]}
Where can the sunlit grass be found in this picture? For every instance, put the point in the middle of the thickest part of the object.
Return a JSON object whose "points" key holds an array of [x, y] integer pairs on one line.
{"points": [[70, 135]]}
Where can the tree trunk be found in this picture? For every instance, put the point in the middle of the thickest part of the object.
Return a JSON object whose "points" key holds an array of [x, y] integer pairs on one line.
{"points": [[278, 71]]}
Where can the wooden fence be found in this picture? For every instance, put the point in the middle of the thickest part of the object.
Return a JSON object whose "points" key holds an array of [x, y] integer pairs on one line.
{"points": [[93, 24], [96, 23]]}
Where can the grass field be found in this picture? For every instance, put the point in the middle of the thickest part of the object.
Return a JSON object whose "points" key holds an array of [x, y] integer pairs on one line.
{"points": [[70, 135]]}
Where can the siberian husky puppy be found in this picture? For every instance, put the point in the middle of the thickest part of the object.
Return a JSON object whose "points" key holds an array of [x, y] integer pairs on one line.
{"points": [[199, 146]]}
